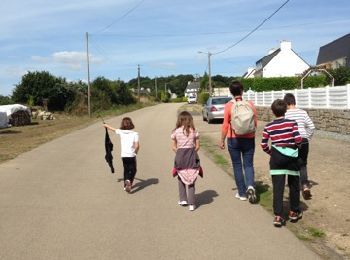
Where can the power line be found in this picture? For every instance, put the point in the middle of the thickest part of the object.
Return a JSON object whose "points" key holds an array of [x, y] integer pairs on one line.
{"points": [[121, 17], [252, 31]]}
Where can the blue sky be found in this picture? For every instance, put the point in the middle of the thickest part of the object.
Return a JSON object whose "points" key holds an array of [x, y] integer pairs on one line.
{"points": [[163, 36]]}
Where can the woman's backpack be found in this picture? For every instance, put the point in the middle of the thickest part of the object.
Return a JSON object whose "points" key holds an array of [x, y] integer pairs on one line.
{"points": [[242, 117]]}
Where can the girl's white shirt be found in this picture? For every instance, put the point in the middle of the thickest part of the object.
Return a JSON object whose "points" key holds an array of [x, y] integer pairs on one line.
{"points": [[128, 138]]}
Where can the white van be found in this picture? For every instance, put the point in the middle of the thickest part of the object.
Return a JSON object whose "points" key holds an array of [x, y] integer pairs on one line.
{"points": [[192, 99]]}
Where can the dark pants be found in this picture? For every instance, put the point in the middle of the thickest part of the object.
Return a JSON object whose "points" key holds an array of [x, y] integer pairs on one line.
{"points": [[129, 164], [278, 183], [303, 153], [242, 151]]}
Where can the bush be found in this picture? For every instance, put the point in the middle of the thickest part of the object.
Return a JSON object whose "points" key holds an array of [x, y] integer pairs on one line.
{"points": [[178, 100], [203, 97], [283, 83]]}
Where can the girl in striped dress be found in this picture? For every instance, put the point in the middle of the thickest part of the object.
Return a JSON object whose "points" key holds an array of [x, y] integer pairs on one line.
{"points": [[187, 167], [285, 138]]}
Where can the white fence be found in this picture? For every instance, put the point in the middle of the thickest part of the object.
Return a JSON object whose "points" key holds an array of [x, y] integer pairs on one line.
{"points": [[326, 97]]}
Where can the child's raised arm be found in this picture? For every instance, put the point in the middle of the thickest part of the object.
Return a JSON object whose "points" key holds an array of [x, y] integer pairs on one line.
{"points": [[197, 145], [109, 127]]}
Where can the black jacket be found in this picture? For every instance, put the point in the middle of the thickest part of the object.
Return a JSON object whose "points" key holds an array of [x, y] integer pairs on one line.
{"points": [[109, 149]]}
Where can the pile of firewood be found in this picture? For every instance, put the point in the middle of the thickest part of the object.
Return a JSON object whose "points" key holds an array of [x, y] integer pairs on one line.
{"points": [[20, 118]]}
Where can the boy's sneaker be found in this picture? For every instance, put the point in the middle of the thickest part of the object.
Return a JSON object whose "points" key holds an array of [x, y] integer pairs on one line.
{"points": [[191, 207], [278, 221], [127, 186], [243, 198], [182, 203], [294, 216], [306, 193], [251, 194]]}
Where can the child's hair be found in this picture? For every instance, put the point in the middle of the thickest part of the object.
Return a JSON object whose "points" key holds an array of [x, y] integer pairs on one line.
{"points": [[126, 124], [185, 119], [236, 88], [289, 99], [279, 107]]}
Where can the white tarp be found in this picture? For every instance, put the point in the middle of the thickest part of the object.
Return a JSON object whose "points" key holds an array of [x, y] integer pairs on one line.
{"points": [[7, 110]]}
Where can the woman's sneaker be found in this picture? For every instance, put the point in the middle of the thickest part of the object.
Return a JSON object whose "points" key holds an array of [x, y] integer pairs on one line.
{"points": [[278, 221], [240, 197], [294, 216], [251, 194]]}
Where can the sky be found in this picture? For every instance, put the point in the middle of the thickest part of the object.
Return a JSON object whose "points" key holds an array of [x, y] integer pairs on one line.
{"points": [[163, 36]]}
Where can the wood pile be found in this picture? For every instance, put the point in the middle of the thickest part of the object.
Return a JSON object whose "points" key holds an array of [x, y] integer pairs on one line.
{"points": [[20, 118]]}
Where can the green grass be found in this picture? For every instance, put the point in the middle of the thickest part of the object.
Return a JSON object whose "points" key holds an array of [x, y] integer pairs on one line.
{"points": [[310, 233]]}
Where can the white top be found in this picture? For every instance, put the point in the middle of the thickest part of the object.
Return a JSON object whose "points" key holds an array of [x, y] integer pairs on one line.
{"points": [[128, 138], [305, 125]]}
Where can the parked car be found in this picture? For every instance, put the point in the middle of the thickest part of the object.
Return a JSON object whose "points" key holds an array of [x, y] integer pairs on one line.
{"points": [[214, 108], [192, 99]]}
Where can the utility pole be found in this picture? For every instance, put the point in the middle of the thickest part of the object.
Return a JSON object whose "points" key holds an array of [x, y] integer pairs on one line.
{"points": [[88, 71], [155, 85], [210, 90], [165, 88], [209, 70], [138, 82]]}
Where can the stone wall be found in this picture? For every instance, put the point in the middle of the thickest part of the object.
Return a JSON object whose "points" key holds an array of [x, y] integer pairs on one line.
{"points": [[331, 120]]}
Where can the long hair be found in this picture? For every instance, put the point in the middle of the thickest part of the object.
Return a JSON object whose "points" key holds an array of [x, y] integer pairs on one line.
{"points": [[185, 119], [126, 124]]}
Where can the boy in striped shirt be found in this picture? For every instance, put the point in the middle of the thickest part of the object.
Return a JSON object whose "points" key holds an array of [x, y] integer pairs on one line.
{"points": [[285, 138], [306, 129]]}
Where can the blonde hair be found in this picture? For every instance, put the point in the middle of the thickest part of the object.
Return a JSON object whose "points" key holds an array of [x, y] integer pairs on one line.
{"points": [[185, 119]]}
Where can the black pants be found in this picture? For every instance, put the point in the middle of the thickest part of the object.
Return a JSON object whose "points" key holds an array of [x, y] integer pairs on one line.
{"points": [[129, 164], [278, 183], [303, 153]]}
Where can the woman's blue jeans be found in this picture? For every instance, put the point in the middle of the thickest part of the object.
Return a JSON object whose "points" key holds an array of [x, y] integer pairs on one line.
{"points": [[242, 156]]}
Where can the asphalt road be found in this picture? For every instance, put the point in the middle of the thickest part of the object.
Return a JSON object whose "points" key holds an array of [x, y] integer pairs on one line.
{"points": [[60, 201]]}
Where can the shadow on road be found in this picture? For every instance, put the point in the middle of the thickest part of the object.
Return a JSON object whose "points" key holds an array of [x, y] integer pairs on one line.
{"points": [[205, 197], [141, 184]]}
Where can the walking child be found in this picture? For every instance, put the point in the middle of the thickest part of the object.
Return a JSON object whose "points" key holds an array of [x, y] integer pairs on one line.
{"points": [[283, 153], [186, 145], [306, 129], [129, 143]]}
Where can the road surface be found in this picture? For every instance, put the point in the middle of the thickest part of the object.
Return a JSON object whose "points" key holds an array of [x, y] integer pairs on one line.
{"points": [[60, 201]]}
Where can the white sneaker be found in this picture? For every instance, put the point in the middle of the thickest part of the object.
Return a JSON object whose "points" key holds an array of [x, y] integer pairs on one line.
{"points": [[182, 203], [191, 208], [251, 194], [240, 197]]}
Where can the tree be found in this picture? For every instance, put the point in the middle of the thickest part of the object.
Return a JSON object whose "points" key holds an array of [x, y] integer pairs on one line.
{"points": [[341, 76], [38, 86], [5, 100]]}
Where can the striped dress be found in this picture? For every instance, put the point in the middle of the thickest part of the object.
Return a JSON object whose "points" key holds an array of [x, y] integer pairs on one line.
{"points": [[284, 136], [305, 125]]}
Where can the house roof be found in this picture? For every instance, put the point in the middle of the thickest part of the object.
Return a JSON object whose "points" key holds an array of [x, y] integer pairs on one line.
{"points": [[266, 59], [193, 85], [334, 50]]}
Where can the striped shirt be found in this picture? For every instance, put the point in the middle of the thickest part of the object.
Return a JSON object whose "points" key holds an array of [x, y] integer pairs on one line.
{"points": [[305, 125], [184, 141], [282, 132]]}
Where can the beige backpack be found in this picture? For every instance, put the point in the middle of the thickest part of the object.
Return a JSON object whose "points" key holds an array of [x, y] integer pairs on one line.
{"points": [[242, 117]]}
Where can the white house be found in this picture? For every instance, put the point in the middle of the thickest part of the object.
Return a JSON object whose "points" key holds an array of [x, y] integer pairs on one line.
{"points": [[249, 74], [192, 89], [283, 62]]}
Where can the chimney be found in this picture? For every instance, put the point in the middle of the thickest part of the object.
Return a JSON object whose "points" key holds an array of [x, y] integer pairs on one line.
{"points": [[286, 45]]}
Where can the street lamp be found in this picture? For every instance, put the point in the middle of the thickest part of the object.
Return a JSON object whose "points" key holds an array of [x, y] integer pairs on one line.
{"points": [[209, 69]]}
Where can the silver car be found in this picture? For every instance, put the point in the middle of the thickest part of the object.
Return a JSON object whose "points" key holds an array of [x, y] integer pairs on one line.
{"points": [[214, 108]]}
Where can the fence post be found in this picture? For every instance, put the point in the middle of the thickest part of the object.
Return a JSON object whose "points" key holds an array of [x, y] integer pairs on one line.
{"points": [[263, 98], [327, 97], [296, 95], [348, 94], [256, 98], [309, 97], [283, 93], [272, 95]]}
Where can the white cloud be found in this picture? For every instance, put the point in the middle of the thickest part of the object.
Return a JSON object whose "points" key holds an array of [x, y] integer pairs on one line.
{"points": [[73, 60]]}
